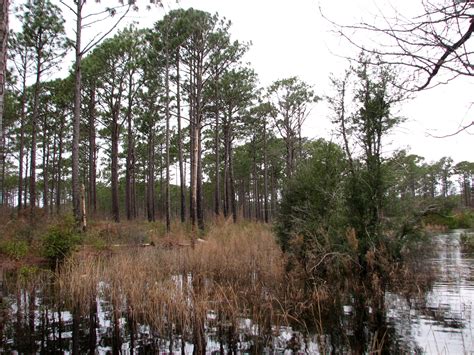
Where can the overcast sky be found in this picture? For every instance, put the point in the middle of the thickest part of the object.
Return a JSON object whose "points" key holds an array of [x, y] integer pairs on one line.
{"points": [[290, 38]]}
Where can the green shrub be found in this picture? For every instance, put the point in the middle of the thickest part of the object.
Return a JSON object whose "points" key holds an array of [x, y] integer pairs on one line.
{"points": [[95, 240], [27, 272], [311, 221], [461, 220], [15, 249], [59, 242], [467, 241], [464, 220]]}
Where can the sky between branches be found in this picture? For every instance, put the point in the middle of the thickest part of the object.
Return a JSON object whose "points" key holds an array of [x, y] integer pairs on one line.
{"points": [[291, 38]]}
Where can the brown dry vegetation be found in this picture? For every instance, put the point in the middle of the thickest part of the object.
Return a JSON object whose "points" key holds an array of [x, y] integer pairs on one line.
{"points": [[237, 272]]}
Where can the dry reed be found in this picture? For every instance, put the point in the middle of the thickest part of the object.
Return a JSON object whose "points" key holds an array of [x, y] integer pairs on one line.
{"points": [[236, 273]]}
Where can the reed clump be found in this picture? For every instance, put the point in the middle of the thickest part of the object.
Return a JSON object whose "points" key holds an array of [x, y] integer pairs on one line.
{"points": [[237, 273]]}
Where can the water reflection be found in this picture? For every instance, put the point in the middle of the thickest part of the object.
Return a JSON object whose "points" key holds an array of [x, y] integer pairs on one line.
{"points": [[441, 322], [34, 319]]}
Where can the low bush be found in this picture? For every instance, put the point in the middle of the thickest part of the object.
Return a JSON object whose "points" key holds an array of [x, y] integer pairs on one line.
{"points": [[464, 219], [14, 249], [460, 220], [60, 240], [467, 241]]}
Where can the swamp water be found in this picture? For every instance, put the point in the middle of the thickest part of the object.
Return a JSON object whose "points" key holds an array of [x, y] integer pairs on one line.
{"points": [[437, 319]]}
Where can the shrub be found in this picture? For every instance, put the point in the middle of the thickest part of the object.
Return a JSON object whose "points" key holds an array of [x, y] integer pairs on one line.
{"points": [[312, 221], [467, 241], [60, 241], [15, 249], [464, 219]]}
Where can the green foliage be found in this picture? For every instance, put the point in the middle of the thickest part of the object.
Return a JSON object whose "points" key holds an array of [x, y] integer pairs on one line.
{"points": [[60, 241], [311, 218], [26, 273], [467, 241], [461, 220], [15, 249], [464, 219]]}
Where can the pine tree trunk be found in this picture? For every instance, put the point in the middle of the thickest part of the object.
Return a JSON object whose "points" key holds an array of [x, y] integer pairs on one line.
{"points": [[45, 166], [60, 165], [273, 193], [194, 179], [180, 143], [265, 174], [22, 139], [231, 183], [54, 167], [114, 167], [34, 129], [217, 191], [167, 147], [92, 155], [76, 193], [25, 195], [226, 171], [3, 158], [192, 128], [150, 196], [200, 208], [254, 178], [4, 5], [130, 170]]}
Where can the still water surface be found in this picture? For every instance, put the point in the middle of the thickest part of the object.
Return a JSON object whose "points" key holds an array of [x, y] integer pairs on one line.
{"points": [[434, 321]]}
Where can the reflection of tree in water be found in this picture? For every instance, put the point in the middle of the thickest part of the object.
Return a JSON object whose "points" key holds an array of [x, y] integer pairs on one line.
{"points": [[355, 322]]}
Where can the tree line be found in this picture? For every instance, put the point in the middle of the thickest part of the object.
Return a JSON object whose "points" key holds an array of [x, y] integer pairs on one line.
{"points": [[173, 123]]}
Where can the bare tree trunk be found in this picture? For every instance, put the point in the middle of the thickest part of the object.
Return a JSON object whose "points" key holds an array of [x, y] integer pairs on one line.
{"points": [[92, 155], [200, 212], [114, 167], [22, 139], [217, 192], [226, 171], [54, 174], [150, 196], [192, 128], [25, 195], [265, 173], [162, 201], [194, 179], [130, 170], [76, 198], [4, 4], [254, 178], [167, 148], [60, 163], [180, 143], [231, 183], [134, 188], [45, 166], [195, 123], [273, 193], [3, 159], [34, 128]]}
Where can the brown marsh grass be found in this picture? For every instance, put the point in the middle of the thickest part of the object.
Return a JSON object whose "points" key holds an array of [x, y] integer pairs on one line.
{"points": [[236, 273]]}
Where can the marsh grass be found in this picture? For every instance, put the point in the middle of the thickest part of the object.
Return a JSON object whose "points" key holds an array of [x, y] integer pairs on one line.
{"points": [[236, 289], [237, 273], [234, 284]]}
